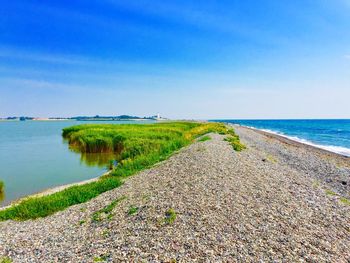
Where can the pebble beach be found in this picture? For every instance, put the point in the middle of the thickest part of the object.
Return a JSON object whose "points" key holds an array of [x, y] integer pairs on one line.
{"points": [[276, 201]]}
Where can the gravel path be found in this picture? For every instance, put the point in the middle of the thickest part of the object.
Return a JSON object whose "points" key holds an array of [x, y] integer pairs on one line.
{"points": [[269, 203]]}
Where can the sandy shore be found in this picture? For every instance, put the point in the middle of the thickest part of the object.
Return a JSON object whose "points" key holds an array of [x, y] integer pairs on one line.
{"points": [[277, 201]]}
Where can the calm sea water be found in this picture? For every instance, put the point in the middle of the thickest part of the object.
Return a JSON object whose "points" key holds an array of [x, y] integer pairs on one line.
{"points": [[34, 157], [332, 135]]}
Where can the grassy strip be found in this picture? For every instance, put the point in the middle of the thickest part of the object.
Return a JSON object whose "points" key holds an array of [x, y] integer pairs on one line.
{"points": [[43, 206], [233, 139], [136, 147], [204, 138]]}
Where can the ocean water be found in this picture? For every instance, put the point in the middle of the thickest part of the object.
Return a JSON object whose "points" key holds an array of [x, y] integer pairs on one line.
{"points": [[34, 157], [331, 135]]}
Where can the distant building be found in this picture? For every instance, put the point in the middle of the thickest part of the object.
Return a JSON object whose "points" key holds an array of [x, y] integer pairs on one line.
{"points": [[158, 117]]}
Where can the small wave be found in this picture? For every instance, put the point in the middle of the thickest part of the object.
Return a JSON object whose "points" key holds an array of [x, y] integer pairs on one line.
{"points": [[331, 148], [270, 131]]}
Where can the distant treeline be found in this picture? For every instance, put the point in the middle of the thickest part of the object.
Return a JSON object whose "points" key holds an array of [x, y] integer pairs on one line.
{"points": [[87, 118], [19, 118], [120, 117]]}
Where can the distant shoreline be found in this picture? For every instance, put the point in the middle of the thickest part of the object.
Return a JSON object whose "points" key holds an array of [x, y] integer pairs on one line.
{"points": [[17, 120]]}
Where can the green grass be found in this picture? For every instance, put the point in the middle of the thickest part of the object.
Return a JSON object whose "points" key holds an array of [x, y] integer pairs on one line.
{"points": [[330, 193], [316, 184], [133, 210], [235, 143], [101, 258], [105, 233], [233, 139], [35, 207], [107, 210], [344, 201], [5, 260], [271, 158], [170, 216], [135, 147], [204, 138]]}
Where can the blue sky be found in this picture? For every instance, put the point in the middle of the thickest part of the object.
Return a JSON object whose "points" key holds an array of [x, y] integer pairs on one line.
{"points": [[184, 59]]}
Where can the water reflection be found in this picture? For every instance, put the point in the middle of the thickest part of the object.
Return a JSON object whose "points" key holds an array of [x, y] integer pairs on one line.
{"points": [[101, 160], [98, 159], [2, 192]]}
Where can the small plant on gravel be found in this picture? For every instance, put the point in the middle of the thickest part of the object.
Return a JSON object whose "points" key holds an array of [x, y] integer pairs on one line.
{"points": [[82, 222], [146, 197], [201, 149], [204, 138], [133, 210], [106, 211], [5, 260], [316, 184], [330, 193], [344, 201], [233, 139], [110, 216], [96, 217], [271, 158], [170, 216], [101, 258], [105, 233]]}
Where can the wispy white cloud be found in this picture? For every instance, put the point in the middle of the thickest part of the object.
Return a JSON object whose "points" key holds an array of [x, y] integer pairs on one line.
{"points": [[104, 69], [27, 83], [206, 16], [12, 53]]}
